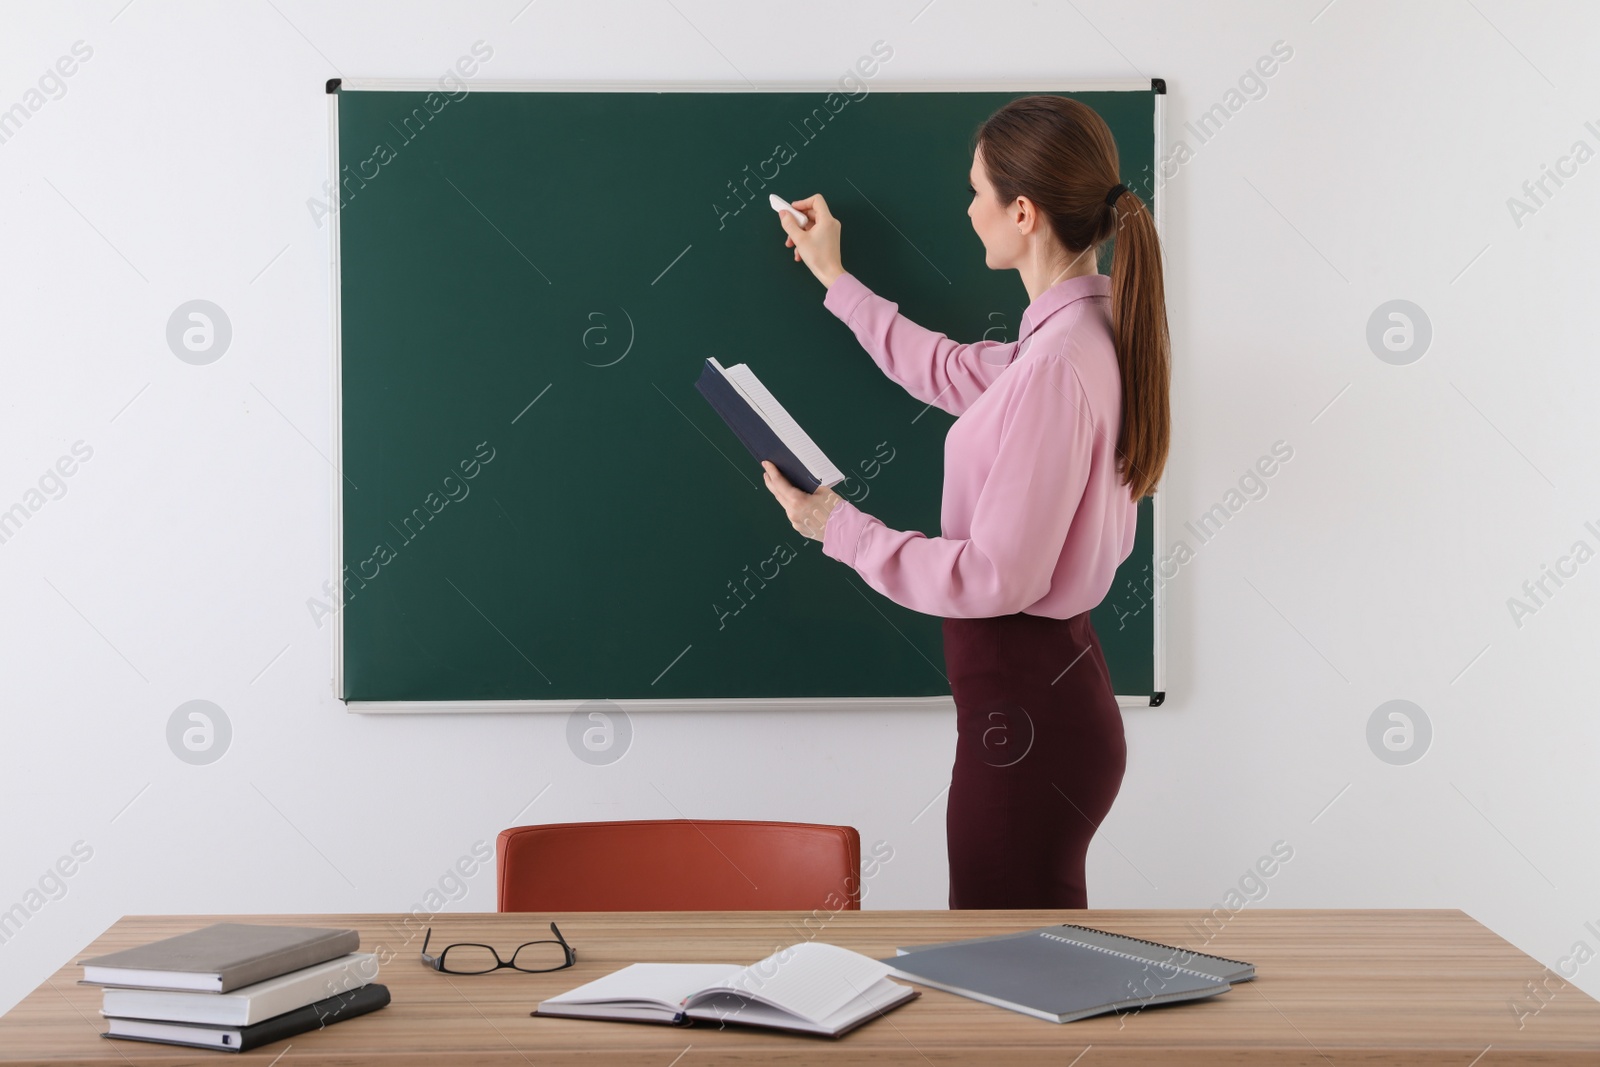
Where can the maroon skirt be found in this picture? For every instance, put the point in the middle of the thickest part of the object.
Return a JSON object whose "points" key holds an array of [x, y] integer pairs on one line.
{"points": [[1040, 754]]}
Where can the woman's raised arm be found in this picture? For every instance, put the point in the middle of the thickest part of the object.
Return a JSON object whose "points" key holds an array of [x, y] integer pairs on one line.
{"points": [[928, 365]]}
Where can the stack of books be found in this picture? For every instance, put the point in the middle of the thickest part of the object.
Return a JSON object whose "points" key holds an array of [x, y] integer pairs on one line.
{"points": [[235, 986]]}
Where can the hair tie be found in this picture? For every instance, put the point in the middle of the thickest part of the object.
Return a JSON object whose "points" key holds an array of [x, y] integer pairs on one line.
{"points": [[1116, 191]]}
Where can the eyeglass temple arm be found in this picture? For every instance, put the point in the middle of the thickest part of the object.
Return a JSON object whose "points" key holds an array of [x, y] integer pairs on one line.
{"points": [[572, 951]]}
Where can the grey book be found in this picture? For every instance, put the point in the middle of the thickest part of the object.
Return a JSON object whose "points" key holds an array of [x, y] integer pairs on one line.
{"points": [[219, 957], [1154, 951], [1052, 977]]}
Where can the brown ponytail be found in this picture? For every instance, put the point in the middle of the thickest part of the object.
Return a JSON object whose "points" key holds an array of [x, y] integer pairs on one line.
{"points": [[1060, 154]]}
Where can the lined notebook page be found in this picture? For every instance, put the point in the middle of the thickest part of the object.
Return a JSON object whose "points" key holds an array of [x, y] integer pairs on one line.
{"points": [[811, 979], [782, 423]]}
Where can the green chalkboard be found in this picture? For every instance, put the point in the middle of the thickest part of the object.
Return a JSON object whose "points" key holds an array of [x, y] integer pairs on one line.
{"points": [[536, 503]]}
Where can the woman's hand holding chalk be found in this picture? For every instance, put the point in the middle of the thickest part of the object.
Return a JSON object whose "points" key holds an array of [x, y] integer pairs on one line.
{"points": [[814, 240], [780, 205]]}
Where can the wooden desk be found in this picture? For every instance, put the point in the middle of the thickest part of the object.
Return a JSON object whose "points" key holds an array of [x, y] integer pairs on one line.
{"points": [[1334, 988]]}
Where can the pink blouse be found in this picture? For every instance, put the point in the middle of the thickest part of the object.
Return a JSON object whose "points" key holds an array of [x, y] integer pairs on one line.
{"points": [[1035, 517]]}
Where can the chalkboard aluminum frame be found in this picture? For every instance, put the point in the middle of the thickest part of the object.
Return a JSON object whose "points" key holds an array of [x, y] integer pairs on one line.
{"points": [[1156, 86]]}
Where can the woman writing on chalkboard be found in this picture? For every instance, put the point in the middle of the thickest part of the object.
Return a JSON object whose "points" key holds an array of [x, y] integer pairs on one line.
{"points": [[1059, 434]]}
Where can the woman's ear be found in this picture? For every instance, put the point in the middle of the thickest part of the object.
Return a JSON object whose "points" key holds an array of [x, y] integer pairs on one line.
{"points": [[1024, 214]]}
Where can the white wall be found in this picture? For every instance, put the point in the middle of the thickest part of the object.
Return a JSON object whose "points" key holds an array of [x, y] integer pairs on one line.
{"points": [[1376, 166]]}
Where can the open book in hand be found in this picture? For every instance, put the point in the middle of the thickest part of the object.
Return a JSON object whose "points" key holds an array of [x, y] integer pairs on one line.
{"points": [[768, 431], [811, 987]]}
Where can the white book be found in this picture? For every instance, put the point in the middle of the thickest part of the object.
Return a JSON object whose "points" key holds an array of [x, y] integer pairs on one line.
{"points": [[811, 987], [247, 1004]]}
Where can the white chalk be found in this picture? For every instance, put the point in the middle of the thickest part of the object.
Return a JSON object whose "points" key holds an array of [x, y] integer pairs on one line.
{"points": [[780, 205]]}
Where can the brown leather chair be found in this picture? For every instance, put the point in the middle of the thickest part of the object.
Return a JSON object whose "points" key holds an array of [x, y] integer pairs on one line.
{"points": [[679, 865]]}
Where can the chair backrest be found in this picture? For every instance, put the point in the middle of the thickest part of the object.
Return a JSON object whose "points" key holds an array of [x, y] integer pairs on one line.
{"points": [[679, 865]]}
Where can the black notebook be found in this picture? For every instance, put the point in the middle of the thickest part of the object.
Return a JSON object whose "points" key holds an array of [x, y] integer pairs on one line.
{"points": [[313, 1016], [764, 427]]}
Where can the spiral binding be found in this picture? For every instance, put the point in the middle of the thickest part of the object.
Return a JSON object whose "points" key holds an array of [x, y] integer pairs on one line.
{"points": [[1153, 944], [1130, 956]]}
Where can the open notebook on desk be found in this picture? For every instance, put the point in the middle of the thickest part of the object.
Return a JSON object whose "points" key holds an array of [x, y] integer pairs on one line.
{"points": [[764, 427], [811, 988]]}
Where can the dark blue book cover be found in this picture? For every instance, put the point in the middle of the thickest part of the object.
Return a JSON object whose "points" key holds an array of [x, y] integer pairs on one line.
{"points": [[751, 429]]}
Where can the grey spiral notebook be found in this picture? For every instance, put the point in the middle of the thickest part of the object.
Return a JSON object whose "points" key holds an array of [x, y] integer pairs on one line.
{"points": [[1154, 951], [1052, 976]]}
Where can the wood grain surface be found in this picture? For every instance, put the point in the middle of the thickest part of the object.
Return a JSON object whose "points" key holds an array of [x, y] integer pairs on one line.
{"points": [[1334, 987]]}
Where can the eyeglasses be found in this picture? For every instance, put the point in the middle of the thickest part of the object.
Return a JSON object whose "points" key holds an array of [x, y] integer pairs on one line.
{"points": [[530, 957]]}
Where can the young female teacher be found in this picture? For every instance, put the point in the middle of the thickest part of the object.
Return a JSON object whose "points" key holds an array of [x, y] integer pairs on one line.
{"points": [[1058, 435]]}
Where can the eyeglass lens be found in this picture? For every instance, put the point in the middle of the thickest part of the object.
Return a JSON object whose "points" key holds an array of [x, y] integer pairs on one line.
{"points": [[539, 956], [469, 959]]}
